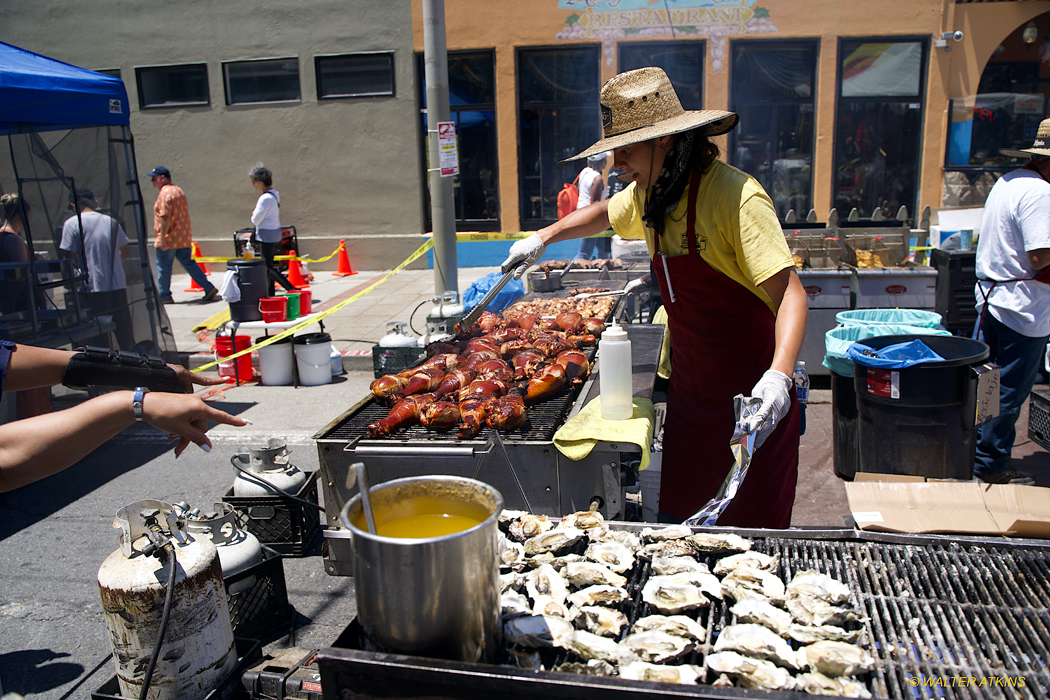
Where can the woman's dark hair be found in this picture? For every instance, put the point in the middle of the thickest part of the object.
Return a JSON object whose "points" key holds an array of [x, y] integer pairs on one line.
{"points": [[705, 151], [260, 173], [13, 205]]}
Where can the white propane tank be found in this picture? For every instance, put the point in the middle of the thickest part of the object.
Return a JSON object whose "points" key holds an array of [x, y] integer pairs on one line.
{"points": [[197, 651], [238, 549], [443, 317], [269, 463], [397, 336]]}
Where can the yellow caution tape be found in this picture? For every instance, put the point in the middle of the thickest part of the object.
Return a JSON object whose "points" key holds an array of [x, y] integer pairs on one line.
{"points": [[276, 257], [489, 236], [419, 252], [214, 321]]}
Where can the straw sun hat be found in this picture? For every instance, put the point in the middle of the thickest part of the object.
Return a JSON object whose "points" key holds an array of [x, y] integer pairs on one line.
{"points": [[1041, 147], [641, 104]]}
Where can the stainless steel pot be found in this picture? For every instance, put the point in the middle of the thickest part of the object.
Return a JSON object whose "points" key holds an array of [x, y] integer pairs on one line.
{"points": [[549, 282], [438, 596]]}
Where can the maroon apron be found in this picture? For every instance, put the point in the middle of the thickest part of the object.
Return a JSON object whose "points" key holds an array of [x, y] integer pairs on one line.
{"points": [[722, 341]]}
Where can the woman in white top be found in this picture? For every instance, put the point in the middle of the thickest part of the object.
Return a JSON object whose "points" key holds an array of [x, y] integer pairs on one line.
{"points": [[267, 221], [592, 189]]}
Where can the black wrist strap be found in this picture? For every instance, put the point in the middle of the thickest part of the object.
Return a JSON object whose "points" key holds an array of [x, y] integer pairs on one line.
{"points": [[93, 366]]}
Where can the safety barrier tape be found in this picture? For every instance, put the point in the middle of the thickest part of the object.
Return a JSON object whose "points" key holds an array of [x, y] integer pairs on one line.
{"points": [[214, 259], [489, 236], [419, 252]]}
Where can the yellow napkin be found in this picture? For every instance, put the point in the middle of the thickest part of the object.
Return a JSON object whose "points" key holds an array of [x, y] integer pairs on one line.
{"points": [[578, 436], [664, 369]]}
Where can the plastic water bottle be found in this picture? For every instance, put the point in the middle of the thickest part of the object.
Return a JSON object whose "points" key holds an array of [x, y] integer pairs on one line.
{"points": [[614, 373], [801, 379], [249, 252]]}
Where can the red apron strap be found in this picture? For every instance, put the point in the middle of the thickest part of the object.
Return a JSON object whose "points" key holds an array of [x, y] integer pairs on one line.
{"points": [[694, 182]]}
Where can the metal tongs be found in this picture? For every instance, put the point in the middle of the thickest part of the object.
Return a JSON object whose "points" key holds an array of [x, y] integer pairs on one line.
{"points": [[743, 446], [471, 318]]}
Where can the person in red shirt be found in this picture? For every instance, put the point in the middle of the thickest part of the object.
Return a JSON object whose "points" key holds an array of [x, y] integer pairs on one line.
{"points": [[171, 226]]}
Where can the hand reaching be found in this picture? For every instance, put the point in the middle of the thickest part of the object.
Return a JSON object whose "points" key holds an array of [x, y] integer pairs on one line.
{"points": [[523, 255], [184, 416], [187, 378], [774, 389]]}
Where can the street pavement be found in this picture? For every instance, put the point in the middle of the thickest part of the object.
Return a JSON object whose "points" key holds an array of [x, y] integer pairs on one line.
{"points": [[54, 534]]}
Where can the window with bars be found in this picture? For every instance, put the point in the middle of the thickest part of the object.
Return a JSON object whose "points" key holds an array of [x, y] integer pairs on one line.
{"points": [[172, 86], [355, 75], [265, 80]]}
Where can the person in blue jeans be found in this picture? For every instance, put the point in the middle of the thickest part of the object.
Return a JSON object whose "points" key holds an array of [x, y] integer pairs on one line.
{"points": [[173, 236]]}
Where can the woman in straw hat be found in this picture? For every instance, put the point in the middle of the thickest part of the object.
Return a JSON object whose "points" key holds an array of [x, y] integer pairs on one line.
{"points": [[736, 309]]}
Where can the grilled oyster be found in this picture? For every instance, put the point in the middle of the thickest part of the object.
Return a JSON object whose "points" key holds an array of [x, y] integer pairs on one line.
{"points": [[813, 599], [835, 658], [583, 520], [594, 667], [678, 625], [559, 563], [673, 594], [752, 673], [625, 537], [657, 647], [510, 581], [547, 605], [600, 620], [553, 540], [671, 532], [752, 560], [591, 646], [598, 595], [719, 544], [707, 582], [668, 548], [809, 635], [641, 671], [545, 581], [615, 555], [758, 642], [513, 555], [819, 684], [528, 526], [817, 585], [668, 566], [589, 573], [534, 631], [526, 659], [513, 603], [760, 611], [741, 583]]}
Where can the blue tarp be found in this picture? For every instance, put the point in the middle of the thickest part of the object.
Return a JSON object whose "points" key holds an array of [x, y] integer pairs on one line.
{"points": [[51, 95]]}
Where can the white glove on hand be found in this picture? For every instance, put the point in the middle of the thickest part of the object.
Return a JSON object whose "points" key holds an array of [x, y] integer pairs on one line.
{"points": [[523, 255], [774, 388], [637, 285]]}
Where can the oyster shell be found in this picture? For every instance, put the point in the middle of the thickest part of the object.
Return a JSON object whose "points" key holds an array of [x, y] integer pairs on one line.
{"points": [[526, 659], [668, 548], [657, 647], [583, 520], [625, 537], [760, 611], [598, 595], [505, 516], [545, 581], [600, 620], [749, 559], [589, 573], [591, 646], [722, 544], [814, 599], [817, 585], [528, 526], [594, 667], [615, 555], [819, 684], [559, 563], [741, 583], [546, 605], [707, 582], [641, 671], [752, 673], [513, 603], [673, 594], [553, 540], [509, 581], [668, 566], [671, 532], [758, 642], [513, 555], [835, 658], [810, 635], [534, 631], [678, 625]]}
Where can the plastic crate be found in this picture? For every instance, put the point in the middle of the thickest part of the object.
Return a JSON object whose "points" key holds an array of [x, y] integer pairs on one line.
{"points": [[394, 360], [287, 526], [1039, 418], [291, 674], [263, 608], [249, 651]]}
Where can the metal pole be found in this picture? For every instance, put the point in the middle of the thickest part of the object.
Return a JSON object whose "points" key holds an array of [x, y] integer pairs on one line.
{"points": [[442, 208]]}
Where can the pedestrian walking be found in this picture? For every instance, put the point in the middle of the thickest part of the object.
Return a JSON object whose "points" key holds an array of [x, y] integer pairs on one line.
{"points": [[171, 226], [266, 217]]}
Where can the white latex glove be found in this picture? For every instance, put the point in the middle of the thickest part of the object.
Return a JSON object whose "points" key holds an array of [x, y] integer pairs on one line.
{"points": [[774, 388], [637, 285], [523, 255]]}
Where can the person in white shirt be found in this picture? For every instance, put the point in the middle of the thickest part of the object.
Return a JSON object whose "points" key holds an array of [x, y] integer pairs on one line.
{"points": [[592, 189], [267, 221], [99, 246], [1013, 298]]}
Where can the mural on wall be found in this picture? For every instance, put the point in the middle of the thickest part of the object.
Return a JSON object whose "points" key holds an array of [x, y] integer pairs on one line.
{"points": [[716, 20]]}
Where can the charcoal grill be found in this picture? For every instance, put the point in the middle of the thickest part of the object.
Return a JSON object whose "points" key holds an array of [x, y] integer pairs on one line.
{"points": [[938, 608]]}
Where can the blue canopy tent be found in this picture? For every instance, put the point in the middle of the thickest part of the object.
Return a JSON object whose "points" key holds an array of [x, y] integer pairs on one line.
{"points": [[68, 127]]}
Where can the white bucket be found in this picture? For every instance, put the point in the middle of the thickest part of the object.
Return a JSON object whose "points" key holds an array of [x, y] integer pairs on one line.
{"points": [[275, 362], [337, 362], [313, 358], [650, 481]]}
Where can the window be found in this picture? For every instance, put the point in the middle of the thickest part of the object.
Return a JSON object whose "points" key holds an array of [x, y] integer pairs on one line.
{"points": [[111, 72], [355, 75], [172, 86], [878, 125], [472, 98], [558, 117], [683, 61], [772, 91], [269, 80]]}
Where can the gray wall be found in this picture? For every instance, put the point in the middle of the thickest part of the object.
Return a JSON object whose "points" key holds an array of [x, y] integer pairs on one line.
{"points": [[347, 168]]}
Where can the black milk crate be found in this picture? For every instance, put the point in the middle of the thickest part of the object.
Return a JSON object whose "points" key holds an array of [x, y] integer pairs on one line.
{"points": [[291, 674], [249, 651], [261, 608], [285, 525], [394, 360], [1039, 418]]}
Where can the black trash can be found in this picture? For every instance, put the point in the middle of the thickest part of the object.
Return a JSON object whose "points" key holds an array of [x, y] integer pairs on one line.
{"points": [[251, 279], [919, 420]]}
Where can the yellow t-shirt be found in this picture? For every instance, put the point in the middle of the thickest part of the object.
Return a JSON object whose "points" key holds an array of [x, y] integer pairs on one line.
{"points": [[737, 230]]}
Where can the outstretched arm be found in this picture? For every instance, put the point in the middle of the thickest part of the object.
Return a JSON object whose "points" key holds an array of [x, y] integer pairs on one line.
{"points": [[588, 221]]}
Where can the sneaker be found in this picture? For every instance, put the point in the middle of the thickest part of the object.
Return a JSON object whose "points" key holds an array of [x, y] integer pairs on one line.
{"points": [[1010, 476], [211, 294], [167, 300]]}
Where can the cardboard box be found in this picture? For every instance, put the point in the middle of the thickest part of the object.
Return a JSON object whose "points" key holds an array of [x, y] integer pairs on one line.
{"points": [[912, 504]]}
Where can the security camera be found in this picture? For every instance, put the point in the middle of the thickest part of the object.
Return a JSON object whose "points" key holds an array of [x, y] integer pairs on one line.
{"points": [[958, 36]]}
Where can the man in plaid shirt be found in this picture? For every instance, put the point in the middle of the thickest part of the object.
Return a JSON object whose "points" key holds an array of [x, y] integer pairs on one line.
{"points": [[171, 225]]}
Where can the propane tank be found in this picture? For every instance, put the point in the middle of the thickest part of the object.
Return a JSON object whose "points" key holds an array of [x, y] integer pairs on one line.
{"points": [[238, 549], [269, 463], [443, 317], [197, 650], [397, 336]]}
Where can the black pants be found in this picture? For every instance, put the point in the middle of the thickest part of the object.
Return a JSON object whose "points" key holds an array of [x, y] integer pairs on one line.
{"points": [[272, 273], [114, 303]]}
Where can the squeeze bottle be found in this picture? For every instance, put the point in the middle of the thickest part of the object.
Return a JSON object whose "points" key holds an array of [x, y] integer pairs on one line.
{"points": [[614, 373]]}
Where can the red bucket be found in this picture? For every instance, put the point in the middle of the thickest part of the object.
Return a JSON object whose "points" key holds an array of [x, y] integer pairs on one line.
{"points": [[274, 309], [305, 303], [224, 347]]}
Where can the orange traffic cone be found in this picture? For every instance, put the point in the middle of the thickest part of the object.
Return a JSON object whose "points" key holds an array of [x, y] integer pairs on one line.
{"points": [[295, 275], [344, 269], [197, 254]]}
